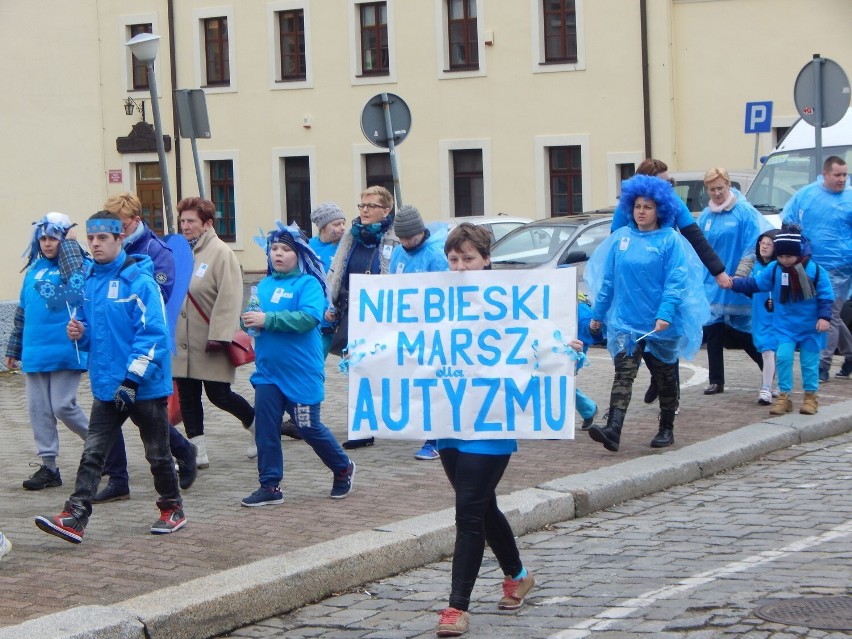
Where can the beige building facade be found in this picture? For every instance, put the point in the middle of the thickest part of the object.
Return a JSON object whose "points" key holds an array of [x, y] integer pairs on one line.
{"points": [[526, 107]]}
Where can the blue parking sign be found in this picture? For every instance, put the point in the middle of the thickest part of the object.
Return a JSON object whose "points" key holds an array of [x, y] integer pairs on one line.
{"points": [[758, 117]]}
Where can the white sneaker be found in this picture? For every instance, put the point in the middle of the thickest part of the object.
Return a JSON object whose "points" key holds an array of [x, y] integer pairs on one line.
{"points": [[251, 449], [764, 398], [5, 545]]}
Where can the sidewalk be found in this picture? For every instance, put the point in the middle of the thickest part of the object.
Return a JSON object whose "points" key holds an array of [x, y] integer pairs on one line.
{"points": [[232, 565]]}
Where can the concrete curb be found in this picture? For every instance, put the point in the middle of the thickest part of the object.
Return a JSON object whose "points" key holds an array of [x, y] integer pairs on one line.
{"points": [[232, 598]]}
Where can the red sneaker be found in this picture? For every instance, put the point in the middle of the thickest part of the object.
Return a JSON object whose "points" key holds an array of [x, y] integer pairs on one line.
{"points": [[65, 526]]}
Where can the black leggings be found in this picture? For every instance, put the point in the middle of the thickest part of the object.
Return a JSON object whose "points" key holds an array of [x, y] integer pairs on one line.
{"points": [[219, 394], [720, 336], [478, 520]]}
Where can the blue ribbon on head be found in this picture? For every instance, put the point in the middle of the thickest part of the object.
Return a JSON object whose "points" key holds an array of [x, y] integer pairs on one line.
{"points": [[104, 226]]}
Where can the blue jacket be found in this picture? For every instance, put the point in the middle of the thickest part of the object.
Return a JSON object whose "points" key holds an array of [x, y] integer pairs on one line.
{"points": [[144, 241], [795, 321], [826, 220], [126, 333], [46, 346], [733, 235], [281, 350], [638, 277], [426, 258], [763, 332]]}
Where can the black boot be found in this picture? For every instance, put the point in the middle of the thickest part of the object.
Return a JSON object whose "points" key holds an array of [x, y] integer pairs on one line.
{"points": [[609, 435], [652, 393], [665, 436]]}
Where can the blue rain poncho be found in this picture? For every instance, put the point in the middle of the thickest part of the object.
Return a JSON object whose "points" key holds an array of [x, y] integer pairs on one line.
{"points": [[648, 276], [637, 277], [826, 221], [733, 234], [427, 258]]}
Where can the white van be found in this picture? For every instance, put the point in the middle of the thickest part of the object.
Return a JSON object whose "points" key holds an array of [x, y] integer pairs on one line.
{"points": [[788, 167]]}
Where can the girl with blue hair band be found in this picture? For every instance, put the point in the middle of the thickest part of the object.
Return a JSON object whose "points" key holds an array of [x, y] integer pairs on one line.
{"points": [[646, 283], [51, 293], [292, 301]]}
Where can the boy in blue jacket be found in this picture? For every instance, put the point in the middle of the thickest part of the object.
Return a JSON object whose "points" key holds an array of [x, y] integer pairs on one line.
{"points": [[123, 327], [292, 301], [803, 298]]}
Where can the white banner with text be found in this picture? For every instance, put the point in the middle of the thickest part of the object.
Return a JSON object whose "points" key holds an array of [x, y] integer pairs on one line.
{"points": [[466, 355]]}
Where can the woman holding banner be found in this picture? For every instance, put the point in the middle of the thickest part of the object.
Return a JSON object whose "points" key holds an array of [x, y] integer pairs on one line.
{"points": [[474, 468], [650, 298]]}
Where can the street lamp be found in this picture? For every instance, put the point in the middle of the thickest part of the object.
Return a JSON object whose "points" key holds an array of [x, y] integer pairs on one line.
{"points": [[131, 105], [144, 46]]}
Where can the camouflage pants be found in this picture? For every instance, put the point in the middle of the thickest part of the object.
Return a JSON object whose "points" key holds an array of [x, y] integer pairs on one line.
{"points": [[626, 368]]}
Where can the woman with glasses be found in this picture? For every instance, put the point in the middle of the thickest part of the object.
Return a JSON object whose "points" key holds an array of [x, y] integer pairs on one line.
{"points": [[365, 249]]}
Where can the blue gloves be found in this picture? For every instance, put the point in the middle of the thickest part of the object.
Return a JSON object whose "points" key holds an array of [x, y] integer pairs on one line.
{"points": [[125, 395]]}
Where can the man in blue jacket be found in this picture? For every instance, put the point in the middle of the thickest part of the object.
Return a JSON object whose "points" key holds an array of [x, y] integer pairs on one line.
{"points": [[124, 329], [823, 209]]}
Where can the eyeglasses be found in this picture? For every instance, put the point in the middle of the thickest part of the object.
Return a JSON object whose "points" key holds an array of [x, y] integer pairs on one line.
{"points": [[370, 206]]}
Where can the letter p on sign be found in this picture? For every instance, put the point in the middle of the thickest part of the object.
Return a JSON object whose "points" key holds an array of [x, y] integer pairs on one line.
{"points": [[758, 117]]}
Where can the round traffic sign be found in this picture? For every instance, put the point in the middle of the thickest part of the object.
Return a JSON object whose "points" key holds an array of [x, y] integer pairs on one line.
{"points": [[373, 119], [834, 95]]}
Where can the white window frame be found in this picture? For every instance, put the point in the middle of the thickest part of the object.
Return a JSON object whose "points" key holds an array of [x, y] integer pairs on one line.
{"points": [[538, 63], [279, 179], [359, 168], [442, 43], [613, 160], [205, 157], [125, 22], [198, 17], [273, 35], [445, 148], [542, 169], [355, 76]]}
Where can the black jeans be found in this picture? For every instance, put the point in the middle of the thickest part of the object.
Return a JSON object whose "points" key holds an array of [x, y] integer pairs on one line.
{"points": [[219, 394], [720, 336], [105, 423], [478, 520]]}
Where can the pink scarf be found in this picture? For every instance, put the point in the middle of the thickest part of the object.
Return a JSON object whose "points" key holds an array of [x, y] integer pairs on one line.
{"points": [[728, 203]]}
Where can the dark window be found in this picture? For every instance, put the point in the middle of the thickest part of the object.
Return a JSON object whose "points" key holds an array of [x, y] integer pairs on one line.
{"points": [[468, 185], [374, 38], [297, 192], [378, 169], [462, 34], [140, 70], [222, 196], [216, 51], [291, 26], [623, 172], [566, 180], [149, 189], [560, 31]]}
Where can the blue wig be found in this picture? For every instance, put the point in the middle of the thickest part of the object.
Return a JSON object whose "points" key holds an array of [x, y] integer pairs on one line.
{"points": [[309, 262], [653, 188]]}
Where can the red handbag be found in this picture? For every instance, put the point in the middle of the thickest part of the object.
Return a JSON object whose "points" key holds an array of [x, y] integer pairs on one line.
{"points": [[240, 350], [175, 416]]}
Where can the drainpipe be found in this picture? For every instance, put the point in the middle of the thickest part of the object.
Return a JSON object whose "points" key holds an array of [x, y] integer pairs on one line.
{"points": [[646, 91], [173, 78]]}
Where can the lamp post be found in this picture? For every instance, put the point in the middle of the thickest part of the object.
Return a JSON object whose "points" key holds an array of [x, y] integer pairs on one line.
{"points": [[144, 46]]}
